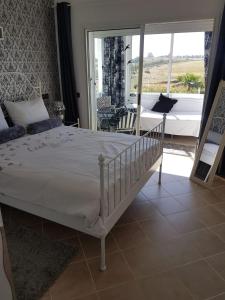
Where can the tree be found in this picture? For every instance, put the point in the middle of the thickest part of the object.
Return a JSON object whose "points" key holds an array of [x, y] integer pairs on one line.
{"points": [[191, 80]]}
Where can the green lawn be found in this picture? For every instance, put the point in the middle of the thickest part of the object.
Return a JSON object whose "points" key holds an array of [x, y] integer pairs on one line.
{"points": [[155, 78]]}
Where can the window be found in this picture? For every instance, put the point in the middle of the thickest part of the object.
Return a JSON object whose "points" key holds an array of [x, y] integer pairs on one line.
{"points": [[173, 63], [188, 72]]}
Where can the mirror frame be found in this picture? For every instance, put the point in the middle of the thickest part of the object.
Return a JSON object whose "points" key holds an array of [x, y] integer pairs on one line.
{"points": [[213, 169]]}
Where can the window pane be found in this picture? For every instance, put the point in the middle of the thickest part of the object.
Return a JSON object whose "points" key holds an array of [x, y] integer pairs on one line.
{"points": [[188, 75], [156, 59]]}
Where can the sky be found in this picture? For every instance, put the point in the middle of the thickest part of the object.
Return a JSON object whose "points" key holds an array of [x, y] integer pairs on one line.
{"points": [[159, 44]]}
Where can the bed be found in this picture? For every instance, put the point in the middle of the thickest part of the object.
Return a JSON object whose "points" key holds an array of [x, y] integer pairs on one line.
{"points": [[77, 177]]}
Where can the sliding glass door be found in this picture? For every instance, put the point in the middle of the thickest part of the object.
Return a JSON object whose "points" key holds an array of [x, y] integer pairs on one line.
{"points": [[129, 68], [114, 67]]}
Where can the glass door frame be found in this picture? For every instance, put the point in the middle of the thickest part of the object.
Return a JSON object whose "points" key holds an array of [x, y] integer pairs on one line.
{"points": [[141, 30], [90, 54]]}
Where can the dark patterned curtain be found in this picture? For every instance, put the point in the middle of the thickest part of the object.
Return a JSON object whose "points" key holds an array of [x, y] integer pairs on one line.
{"points": [[66, 63], [114, 70], [208, 44]]}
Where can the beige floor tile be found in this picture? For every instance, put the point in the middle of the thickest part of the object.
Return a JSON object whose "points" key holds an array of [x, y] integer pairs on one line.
{"points": [[192, 200], [179, 252], [127, 291], [209, 196], [140, 198], [206, 242], [219, 230], [58, 232], [129, 235], [220, 206], [210, 216], [218, 263], [200, 280], [74, 282], [218, 181], [117, 271], [155, 192], [159, 231], [220, 192], [185, 222], [180, 187], [127, 218], [89, 297], [146, 260], [165, 287], [168, 205], [219, 297], [141, 211], [92, 246]]}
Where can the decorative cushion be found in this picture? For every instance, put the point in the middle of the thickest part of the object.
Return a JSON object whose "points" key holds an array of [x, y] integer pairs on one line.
{"points": [[27, 112], [164, 105], [43, 125], [3, 123], [11, 133]]}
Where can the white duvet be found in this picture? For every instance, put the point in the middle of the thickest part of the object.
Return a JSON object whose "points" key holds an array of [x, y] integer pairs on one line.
{"points": [[58, 169]]}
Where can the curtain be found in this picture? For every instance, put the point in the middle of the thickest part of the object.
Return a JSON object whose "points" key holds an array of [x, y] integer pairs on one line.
{"points": [[114, 70], [217, 75], [66, 63], [208, 44]]}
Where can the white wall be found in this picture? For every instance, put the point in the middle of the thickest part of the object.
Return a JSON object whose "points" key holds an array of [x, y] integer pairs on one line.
{"points": [[110, 14]]}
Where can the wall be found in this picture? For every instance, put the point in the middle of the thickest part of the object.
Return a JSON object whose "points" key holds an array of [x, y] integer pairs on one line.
{"points": [[29, 44], [109, 14]]}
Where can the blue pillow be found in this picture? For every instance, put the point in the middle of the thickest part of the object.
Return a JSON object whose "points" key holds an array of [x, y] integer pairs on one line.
{"points": [[11, 133], [44, 125]]}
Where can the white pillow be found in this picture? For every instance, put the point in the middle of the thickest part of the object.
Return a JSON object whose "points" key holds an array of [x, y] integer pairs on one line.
{"points": [[27, 112], [3, 123]]}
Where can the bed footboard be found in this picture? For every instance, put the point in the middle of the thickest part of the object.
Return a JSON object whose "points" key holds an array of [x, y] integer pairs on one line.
{"points": [[126, 172]]}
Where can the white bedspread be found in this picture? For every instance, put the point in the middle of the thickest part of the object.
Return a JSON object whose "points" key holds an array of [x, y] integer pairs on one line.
{"points": [[58, 169]]}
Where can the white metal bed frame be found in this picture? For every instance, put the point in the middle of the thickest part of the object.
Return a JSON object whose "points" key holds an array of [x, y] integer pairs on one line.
{"points": [[144, 156], [145, 163]]}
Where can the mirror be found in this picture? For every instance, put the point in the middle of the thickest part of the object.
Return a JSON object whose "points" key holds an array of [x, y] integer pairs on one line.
{"points": [[211, 148]]}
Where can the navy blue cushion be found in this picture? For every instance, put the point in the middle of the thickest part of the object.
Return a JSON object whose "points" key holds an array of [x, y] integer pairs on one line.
{"points": [[11, 133], [43, 125], [164, 105]]}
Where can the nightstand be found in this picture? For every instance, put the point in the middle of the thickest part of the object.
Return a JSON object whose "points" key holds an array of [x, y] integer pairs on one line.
{"points": [[6, 291]]}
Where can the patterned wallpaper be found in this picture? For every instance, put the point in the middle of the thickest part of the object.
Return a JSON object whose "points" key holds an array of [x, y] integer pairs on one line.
{"points": [[29, 45]]}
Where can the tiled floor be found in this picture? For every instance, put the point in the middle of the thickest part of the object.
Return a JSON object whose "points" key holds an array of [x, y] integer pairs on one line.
{"points": [[169, 244]]}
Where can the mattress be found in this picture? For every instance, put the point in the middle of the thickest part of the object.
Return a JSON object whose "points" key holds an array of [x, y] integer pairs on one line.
{"points": [[57, 172], [187, 124]]}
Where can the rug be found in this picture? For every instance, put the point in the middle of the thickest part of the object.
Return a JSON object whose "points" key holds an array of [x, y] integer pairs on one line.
{"points": [[36, 260]]}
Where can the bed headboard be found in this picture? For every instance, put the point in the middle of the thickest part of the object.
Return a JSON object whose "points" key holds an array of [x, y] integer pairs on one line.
{"points": [[16, 86]]}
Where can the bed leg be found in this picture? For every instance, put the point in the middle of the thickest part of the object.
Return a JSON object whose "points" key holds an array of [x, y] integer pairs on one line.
{"points": [[102, 262], [160, 174]]}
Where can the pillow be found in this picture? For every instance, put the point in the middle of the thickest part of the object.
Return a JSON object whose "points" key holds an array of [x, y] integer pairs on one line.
{"points": [[164, 105], [43, 125], [3, 123], [27, 112], [11, 133]]}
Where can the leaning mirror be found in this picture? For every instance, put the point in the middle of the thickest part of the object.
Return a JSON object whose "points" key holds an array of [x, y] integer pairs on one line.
{"points": [[212, 144]]}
